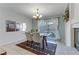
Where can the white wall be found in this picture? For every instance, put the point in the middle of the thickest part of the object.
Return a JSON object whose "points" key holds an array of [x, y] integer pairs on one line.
{"points": [[68, 29], [8, 37], [68, 34], [75, 13], [74, 19], [73, 23]]}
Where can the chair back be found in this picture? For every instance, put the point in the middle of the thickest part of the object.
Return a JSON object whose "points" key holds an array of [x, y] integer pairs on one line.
{"points": [[28, 36], [37, 38]]}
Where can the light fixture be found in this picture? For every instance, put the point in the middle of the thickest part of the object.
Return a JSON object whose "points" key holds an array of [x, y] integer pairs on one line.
{"points": [[37, 16]]}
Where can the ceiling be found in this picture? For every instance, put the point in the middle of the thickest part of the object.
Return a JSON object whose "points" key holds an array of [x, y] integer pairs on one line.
{"points": [[45, 9]]}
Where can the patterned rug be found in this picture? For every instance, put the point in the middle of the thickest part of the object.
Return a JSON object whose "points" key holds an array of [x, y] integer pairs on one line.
{"points": [[50, 49]]}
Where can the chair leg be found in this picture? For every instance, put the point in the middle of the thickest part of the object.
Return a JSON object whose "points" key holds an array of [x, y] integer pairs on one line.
{"points": [[39, 46], [46, 42]]}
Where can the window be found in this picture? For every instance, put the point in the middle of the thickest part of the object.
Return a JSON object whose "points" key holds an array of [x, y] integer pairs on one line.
{"points": [[23, 27], [48, 25]]}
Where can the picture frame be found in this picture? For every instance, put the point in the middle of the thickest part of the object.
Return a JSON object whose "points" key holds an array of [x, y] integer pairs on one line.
{"points": [[12, 26]]}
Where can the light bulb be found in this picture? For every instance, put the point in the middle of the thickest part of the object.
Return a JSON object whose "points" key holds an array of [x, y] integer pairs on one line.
{"points": [[40, 16], [37, 14], [34, 16]]}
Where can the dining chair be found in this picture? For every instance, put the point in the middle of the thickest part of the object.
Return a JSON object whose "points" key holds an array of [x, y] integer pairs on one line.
{"points": [[37, 40], [28, 36]]}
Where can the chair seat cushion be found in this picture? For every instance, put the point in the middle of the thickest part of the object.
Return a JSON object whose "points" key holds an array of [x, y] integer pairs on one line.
{"points": [[36, 45]]}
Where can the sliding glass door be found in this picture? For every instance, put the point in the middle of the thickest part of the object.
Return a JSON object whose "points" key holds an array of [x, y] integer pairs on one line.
{"points": [[49, 26]]}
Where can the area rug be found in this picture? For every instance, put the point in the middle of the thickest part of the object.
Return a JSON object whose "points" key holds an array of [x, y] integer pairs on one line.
{"points": [[51, 49]]}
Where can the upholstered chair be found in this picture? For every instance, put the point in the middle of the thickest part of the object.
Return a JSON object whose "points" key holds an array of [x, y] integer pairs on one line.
{"points": [[37, 40], [28, 36]]}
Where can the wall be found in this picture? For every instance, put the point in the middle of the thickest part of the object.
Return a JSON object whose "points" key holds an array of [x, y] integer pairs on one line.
{"points": [[8, 37], [74, 19], [68, 34], [72, 23], [68, 28], [69, 31]]}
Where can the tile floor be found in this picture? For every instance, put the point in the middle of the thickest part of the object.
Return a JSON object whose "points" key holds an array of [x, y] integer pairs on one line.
{"points": [[15, 50], [63, 50], [12, 49]]}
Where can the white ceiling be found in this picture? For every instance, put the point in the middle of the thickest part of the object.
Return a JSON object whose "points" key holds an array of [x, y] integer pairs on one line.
{"points": [[45, 9]]}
